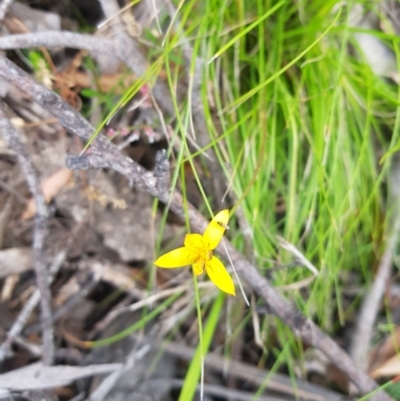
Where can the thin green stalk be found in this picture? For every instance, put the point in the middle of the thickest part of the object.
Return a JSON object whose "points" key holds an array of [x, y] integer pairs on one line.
{"points": [[194, 371], [137, 326]]}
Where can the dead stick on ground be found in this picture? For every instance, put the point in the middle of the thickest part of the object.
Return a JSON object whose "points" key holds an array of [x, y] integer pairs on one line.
{"points": [[372, 301], [128, 50], [29, 306], [105, 154], [122, 46], [194, 70], [4, 6], [34, 299], [50, 39], [102, 391], [11, 137]]}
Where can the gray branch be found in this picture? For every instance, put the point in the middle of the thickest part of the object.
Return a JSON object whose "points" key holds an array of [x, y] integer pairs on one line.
{"points": [[28, 308], [11, 137], [121, 46], [4, 6]]}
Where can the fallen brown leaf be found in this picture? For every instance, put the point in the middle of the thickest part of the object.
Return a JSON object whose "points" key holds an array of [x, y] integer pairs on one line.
{"points": [[51, 186], [390, 368], [383, 351], [15, 261]]}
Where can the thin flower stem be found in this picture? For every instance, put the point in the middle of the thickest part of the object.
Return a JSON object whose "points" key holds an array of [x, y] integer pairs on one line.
{"points": [[200, 323]]}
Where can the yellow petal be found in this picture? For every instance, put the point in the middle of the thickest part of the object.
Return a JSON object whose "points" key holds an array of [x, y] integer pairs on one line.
{"points": [[177, 258], [194, 241], [220, 276], [215, 230], [198, 267]]}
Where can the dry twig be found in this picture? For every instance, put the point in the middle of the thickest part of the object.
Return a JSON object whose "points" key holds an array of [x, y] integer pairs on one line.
{"points": [[229, 393], [194, 70], [104, 154], [24, 315], [122, 46], [109, 382], [369, 310], [54, 39], [37, 377], [11, 137], [127, 50], [4, 6]]}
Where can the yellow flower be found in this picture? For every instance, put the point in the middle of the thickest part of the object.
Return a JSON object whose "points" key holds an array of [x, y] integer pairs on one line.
{"points": [[197, 251]]}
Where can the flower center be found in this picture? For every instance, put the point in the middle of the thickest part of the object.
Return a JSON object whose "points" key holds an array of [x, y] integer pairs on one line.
{"points": [[204, 256]]}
